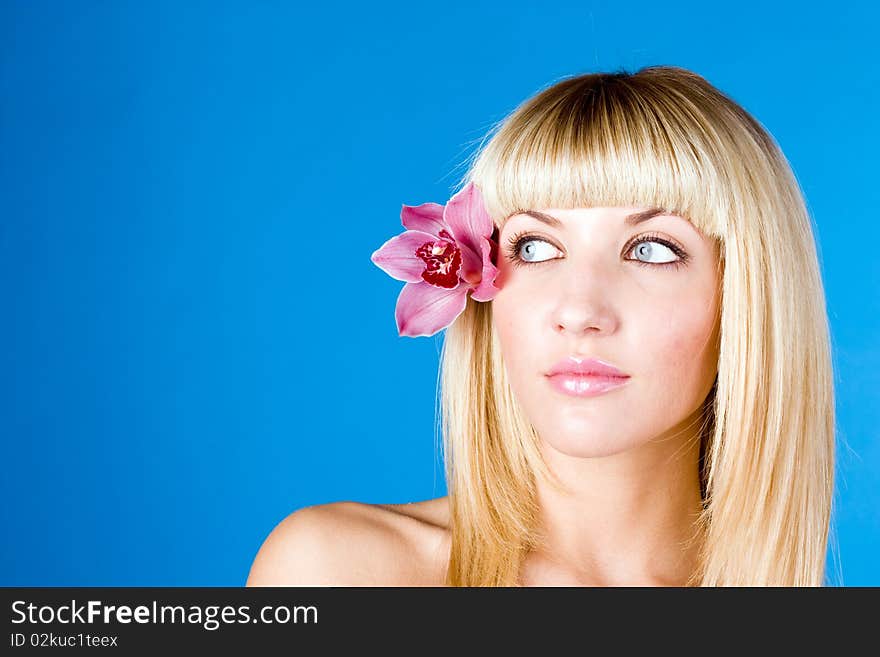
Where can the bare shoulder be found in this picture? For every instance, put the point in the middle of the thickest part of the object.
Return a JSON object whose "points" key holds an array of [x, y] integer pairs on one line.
{"points": [[355, 544]]}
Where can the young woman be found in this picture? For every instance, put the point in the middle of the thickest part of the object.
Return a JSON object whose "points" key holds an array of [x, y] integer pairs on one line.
{"points": [[637, 384]]}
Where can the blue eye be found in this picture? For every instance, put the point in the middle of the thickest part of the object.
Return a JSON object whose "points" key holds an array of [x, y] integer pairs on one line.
{"points": [[525, 249], [657, 252], [650, 250], [529, 249]]}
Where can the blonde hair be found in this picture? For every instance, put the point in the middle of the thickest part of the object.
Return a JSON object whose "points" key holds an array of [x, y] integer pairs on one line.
{"points": [[660, 137]]}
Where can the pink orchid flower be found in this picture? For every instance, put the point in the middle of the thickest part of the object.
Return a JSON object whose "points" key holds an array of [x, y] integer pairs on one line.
{"points": [[445, 253]]}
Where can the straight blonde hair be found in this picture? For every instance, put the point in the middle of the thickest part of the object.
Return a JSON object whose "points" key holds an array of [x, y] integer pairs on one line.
{"points": [[660, 137]]}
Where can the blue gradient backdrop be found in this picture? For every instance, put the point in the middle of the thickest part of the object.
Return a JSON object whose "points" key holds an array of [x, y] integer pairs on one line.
{"points": [[194, 342]]}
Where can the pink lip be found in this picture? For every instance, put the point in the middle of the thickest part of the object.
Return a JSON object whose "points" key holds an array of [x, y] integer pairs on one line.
{"points": [[591, 366], [585, 378]]}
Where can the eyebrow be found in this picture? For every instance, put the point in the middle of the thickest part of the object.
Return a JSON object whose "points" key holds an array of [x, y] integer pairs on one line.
{"points": [[631, 219]]}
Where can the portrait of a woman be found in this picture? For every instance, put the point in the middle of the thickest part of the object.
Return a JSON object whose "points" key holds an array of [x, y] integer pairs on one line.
{"points": [[636, 376]]}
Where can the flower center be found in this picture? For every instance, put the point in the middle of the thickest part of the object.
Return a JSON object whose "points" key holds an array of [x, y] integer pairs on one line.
{"points": [[442, 262]]}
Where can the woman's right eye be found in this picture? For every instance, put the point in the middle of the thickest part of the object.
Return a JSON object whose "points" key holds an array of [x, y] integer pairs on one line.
{"points": [[530, 250]]}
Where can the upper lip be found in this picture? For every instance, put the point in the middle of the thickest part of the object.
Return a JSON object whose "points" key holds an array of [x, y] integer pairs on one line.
{"points": [[585, 366]]}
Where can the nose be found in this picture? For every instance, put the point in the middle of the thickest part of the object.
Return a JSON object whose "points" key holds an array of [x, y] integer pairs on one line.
{"points": [[584, 304]]}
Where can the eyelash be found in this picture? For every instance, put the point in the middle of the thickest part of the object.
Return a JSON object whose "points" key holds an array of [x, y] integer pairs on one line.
{"points": [[516, 241]]}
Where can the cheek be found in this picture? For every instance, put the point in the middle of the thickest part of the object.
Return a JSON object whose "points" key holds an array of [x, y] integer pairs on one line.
{"points": [[681, 351], [507, 329], [516, 329]]}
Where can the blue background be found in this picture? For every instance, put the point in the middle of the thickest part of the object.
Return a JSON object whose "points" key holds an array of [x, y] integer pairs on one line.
{"points": [[194, 342]]}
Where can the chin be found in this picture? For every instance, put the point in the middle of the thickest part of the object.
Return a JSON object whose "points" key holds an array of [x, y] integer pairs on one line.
{"points": [[585, 444]]}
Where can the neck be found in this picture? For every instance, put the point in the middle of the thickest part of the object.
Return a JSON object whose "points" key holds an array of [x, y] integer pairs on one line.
{"points": [[628, 519]]}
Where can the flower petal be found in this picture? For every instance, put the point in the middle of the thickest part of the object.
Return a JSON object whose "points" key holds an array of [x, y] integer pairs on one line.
{"points": [[397, 257], [427, 217], [423, 309], [471, 264], [467, 218], [486, 290]]}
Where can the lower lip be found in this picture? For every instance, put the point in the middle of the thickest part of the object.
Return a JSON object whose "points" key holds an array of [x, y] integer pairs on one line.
{"points": [[577, 385]]}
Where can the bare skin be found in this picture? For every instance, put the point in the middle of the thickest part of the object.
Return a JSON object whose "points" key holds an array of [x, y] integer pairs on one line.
{"points": [[355, 544], [402, 545], [639, 288], [629, 457]]}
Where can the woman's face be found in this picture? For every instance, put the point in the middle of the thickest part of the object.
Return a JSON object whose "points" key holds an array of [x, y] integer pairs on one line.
{"points": [[640, 295]]}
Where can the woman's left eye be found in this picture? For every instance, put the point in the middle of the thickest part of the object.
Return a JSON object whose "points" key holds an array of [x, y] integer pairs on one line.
{"points": [[654, 252]]}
